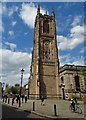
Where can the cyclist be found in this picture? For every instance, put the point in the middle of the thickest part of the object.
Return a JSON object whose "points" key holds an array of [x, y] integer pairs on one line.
{"points": [[73, 104], [75, 99], [74, 107]]}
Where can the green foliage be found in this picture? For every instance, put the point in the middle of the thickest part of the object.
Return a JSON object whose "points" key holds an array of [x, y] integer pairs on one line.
{"points": [[14, 90], [8, 89]]}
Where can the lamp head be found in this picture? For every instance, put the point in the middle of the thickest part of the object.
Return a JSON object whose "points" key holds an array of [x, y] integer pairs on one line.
{"points": [[22, 70]]}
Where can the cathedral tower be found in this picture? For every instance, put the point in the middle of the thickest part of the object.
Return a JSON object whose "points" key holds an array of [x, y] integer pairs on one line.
{"points": [[45, 63]]}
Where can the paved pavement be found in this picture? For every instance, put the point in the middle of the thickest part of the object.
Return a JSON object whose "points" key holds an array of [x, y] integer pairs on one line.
{"points": [[47, 110]]}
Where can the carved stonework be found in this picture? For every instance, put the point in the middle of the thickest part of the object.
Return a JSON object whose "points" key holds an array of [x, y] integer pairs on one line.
{"points": [[44, 67]]}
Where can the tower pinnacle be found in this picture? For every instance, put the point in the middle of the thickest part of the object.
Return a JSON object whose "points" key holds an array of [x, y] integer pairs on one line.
{"points": [[53, 14], [38, 10]]}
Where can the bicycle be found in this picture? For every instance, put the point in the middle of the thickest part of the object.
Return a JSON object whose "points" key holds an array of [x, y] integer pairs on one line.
{"points": [[77, 109]]}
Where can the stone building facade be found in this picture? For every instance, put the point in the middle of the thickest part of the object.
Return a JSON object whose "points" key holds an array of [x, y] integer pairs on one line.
{"points": [[47, 78], [71, 81]]}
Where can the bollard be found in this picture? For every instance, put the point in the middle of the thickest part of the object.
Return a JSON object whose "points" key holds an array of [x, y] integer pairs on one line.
{"points": [[8, 100], [3, 99], [33, 106], [55, 113], [19, 102], [12, 101]]}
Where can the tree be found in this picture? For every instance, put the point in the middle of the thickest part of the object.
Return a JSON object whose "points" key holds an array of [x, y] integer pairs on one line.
{"points": [[8, 89], [14, 90]]}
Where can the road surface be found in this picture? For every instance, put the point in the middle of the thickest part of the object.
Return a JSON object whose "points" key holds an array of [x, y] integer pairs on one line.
{"points": [[9, 112]]}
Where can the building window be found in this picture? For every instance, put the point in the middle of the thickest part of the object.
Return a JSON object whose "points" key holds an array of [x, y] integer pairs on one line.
{"points": [[77, 83], [46, 27], [62, 80]]}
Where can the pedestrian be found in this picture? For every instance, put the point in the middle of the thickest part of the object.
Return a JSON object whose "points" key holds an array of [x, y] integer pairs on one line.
{"points": [[13, 98], [17, 98], [25, 98], [12, 101], [5, 98], [8, 98], [42, 100], [22, 98]]}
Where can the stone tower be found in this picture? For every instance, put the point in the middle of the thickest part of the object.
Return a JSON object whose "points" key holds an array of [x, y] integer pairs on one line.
{"points": [[44, 75]]}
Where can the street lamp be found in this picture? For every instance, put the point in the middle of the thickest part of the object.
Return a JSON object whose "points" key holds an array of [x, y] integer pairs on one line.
{"points": [[22, 71], [63, 92], [3, 90], [62, 86]]}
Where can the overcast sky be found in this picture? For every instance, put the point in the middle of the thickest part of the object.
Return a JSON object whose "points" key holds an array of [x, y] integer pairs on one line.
{"points": [[17, 27]]}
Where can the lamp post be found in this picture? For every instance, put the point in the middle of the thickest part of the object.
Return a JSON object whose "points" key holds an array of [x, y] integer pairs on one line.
{"points": [[22, 71], [62, 86], [63, 92], [3, 90]]}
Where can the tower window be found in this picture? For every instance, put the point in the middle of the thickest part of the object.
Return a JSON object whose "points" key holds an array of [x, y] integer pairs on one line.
{"points": [[46, 27], [46, 55]]}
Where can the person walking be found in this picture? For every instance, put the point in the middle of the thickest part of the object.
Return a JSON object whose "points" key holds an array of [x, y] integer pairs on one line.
{"points": [[13, 98], [42, 100], [17, 98], [22, 97], [25, 98], [5, 98], [8, 98]]}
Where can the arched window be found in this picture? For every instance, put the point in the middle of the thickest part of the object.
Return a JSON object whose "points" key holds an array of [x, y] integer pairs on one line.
{"points": [[46, 55], [46, 27]]}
